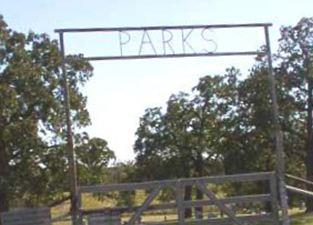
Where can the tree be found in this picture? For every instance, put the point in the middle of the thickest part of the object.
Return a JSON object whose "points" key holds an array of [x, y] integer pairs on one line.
{"points": [[230, 119], [93, 157], [183, 141], [123, 172], [33, 166], [295, 56]]}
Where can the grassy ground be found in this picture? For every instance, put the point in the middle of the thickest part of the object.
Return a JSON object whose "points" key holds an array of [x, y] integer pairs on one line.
{"points": [[298, 218], [302, 219]]}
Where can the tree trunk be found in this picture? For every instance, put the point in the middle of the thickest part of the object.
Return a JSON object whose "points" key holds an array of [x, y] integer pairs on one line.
{"points": [[4, 198], [309, 149]]}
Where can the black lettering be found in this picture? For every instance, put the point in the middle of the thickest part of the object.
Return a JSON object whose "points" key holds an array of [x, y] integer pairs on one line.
{"points": [[148, 41], [211, 41], [166, 42], [185, 41], [123, 42]]}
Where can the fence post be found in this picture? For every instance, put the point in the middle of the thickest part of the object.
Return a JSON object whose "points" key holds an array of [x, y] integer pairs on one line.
{"points": [[179, 202], [79, 202], [274, 198]]}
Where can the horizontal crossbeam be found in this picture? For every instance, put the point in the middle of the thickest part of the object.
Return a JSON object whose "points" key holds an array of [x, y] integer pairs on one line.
{"points": [[106, 29], [187, 181], [299, 191], [97, 58]]}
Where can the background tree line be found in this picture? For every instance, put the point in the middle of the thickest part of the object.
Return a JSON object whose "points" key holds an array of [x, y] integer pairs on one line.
{"points": [[224, 125], [33, 159]]}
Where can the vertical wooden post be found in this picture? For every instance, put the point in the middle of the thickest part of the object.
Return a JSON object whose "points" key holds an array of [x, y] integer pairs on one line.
{"points": [[70, 144], [79, 206], [280, 160], [179, 202], [274, 199]]}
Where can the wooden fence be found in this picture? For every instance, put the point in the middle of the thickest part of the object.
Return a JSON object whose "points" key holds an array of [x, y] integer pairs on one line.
{"points": [[178, 186], [36, 216], [298, 190]]}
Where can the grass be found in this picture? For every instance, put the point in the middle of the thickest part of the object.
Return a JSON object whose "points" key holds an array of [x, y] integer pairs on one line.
{"points": [[297, 218], [302, 219]]}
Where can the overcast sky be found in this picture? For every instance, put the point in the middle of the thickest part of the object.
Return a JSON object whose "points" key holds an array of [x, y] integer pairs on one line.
{"points": [[120, 91]]}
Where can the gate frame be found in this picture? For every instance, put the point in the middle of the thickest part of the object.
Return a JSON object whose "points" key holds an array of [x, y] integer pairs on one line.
{"points": [[280, 162], [178, 185]]}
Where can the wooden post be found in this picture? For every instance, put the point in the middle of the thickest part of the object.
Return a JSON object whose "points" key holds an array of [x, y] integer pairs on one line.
{"points": [[179, 202], [274, 199], [70, 144], [280, 156], [79, 206]]}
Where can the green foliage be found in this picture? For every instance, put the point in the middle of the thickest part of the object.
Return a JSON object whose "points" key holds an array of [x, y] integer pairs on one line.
{"points": [[33, 162], [197, 132], [93, 157], [225, 123], [295, 55]]}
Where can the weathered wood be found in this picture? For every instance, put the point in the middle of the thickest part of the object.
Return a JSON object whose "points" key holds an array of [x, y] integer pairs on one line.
{"points": [[178, 186], [235, 199], [219, 204], [299, 179], [79, 203], [179, 203], [266, 217], [38, 216], [274, 199], [279, 147], [186, 181], [124, 186], [186, 204], [145, 205], [104, 219], [244, 219], [299, 191]]}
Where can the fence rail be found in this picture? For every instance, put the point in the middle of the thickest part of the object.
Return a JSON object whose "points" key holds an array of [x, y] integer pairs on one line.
{"points": [[133, 214], [299, 179], [185, 181], [178, 185], [298, 190]]}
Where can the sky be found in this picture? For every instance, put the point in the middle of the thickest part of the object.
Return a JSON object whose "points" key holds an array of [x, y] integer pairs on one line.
{"points": [[120, 91]]}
